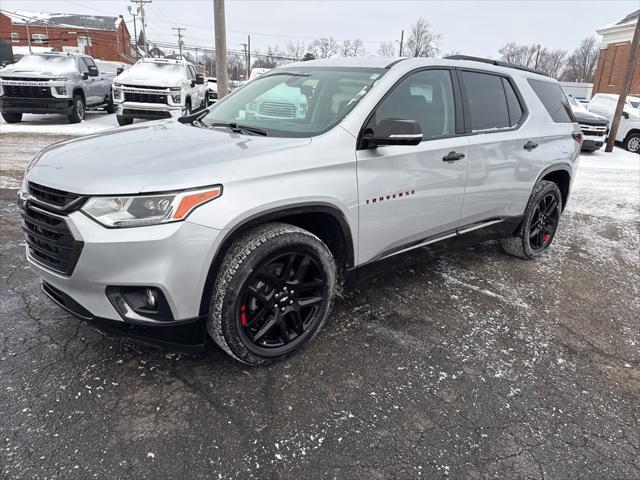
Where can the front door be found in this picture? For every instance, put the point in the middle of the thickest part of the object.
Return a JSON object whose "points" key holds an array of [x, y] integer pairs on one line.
{"points": [[411, 194]]}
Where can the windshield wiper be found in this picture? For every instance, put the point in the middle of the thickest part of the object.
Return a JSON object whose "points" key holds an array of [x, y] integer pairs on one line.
{"points": [[235, 128]]}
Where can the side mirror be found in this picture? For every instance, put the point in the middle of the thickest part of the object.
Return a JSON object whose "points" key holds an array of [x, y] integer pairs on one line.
{"points": [[85, 75], [394, 131], [199, 79], [625, 115], [93, 71], [119, 70]]}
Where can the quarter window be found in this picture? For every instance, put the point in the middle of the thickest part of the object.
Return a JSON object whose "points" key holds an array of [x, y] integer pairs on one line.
{"points": [[513, 104], [427, 98], [488, 109], [554, 100]]}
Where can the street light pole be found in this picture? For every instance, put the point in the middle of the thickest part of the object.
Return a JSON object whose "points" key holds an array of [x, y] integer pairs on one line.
{"points": [[221, 48]]}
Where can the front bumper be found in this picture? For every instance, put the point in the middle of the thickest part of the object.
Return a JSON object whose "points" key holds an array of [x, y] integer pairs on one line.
{"points": [[35, 105], [591, 144], [148, 111], [173, 258]]}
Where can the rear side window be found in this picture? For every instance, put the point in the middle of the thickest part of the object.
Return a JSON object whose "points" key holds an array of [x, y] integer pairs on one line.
{"points": [[513, 104], [488, 109], [554, 100]]}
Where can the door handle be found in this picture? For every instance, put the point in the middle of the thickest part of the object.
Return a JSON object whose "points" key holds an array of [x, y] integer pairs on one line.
{"points": [[452, 157], [530, 146]]}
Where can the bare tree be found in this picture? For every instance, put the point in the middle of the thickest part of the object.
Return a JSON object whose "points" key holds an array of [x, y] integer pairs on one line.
{"points": [[324, 47], [387, 49], [582, 63], [352, 48], [423, 41], [551, 62], [296, 50]]}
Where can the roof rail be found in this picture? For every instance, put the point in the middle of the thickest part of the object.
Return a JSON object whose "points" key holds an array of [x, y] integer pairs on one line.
{"points": [[495, 62]]}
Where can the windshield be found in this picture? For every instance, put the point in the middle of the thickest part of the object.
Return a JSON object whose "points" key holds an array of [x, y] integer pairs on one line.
{"points": [[46, 63], [295, 103], [158, 68]]}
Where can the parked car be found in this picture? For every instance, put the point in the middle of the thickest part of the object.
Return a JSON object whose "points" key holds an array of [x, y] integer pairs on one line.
{"points": [[244, 227], [212, 90], [156, 88], [64, 83], [629, 128], [594, 127]]}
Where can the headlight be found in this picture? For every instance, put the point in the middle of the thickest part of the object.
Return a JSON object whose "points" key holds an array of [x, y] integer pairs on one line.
{"points": [[141, 210], [61, 90]]}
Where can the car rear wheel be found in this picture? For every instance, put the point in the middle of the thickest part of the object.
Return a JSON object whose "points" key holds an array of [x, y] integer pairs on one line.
{"points": [[78, 112], [632, 143], [12, 117], [539, 225], [123, 121], [273, 293]]}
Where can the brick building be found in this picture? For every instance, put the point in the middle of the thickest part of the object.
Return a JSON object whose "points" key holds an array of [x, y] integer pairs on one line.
{"points": [[104, 38], [614, 56]]}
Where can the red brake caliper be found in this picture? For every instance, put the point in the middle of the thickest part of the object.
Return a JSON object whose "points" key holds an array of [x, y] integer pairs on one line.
{"points": [[243, 316], [546, 237]]}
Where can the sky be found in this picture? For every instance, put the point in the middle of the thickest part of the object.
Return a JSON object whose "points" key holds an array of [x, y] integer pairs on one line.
{"points": [[478, 27]]}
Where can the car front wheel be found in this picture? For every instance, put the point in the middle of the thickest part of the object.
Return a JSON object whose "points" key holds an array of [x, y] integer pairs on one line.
{"points": [[78, 111], [273, 294], [632, 143], [12, 117], [123, 121], [539, 225]]}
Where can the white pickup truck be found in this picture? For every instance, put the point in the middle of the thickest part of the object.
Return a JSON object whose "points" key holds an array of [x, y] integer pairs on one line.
{"points": [[156, 88]]}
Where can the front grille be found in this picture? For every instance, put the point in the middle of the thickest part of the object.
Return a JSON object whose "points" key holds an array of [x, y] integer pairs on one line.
{"points": [[145, 97], [593, 130], [49, 239], [278, 109], [51, 196], [24, 91]]}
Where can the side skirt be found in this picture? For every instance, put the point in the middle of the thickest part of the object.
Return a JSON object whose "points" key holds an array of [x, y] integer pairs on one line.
{"points": [[434, 246]]}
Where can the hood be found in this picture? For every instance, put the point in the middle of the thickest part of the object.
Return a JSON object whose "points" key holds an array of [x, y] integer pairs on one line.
{"points": [[133, 77], [15, 71], [156, 156], [589, 118]]}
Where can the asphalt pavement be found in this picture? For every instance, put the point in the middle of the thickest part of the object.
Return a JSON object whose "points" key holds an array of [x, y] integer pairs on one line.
{"points": [[468, 364]]}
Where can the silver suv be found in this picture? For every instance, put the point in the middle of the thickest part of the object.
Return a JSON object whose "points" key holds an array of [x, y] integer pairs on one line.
{"points": [[243, 226]]}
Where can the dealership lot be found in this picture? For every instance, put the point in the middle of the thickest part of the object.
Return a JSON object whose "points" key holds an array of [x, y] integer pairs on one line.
{"points": [[470, 364]]}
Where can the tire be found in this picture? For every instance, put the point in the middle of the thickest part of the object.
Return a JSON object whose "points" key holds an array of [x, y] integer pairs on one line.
{"points": [[187, 108], [124, 121], [248, 284], [530, 241], [110, 108], [78, 112], [12, 117], [632, 143]]}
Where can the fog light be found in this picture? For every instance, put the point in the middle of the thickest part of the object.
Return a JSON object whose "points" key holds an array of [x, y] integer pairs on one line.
{"points": [[152, 299]]}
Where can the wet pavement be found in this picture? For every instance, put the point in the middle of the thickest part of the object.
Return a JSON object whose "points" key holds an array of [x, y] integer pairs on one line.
{"points": [[470, 364]]}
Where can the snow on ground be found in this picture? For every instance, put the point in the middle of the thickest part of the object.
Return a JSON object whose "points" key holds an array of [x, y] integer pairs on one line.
{"points": [[59, 125], [607, 185]]}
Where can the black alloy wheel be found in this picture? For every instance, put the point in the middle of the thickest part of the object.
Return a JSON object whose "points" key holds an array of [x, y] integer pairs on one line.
{"points": [[544, 222], [282, 301]]}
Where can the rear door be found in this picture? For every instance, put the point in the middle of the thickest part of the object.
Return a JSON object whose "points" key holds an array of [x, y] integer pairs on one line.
{"points": [[409, 194], [499, 164]]}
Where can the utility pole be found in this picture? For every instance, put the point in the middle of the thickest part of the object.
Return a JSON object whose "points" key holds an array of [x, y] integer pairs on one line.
{"points": [[144, 32], [179, 30], [135, 30], [221, 48], [248, 73], [634, 53], [28, 36], [401, 41]]}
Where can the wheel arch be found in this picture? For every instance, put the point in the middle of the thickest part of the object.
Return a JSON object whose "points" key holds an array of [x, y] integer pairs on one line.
{"points": [[560, 175], [325, 221], [80, 91], [631, 132]]}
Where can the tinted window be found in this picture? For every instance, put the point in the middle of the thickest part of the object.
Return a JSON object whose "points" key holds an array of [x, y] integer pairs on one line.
{"points": [[89, 62], [427, 98], [513, 104], [487, 102], [553, 99]]}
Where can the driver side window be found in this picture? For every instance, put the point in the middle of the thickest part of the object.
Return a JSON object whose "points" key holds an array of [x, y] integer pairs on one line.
{"points": [[427, 98], [82, 65]]}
